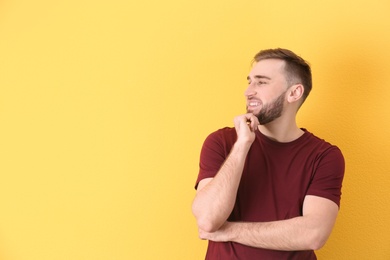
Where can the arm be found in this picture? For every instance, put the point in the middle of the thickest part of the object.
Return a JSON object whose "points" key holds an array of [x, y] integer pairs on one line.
{"points": [[307, 232], [215, 197]]}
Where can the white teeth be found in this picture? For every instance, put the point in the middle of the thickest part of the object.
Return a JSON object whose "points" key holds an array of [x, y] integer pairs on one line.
{"points": [[253, 104]]}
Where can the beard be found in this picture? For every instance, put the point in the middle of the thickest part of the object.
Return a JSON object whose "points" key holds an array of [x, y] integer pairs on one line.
{"points": [[272, 111]]}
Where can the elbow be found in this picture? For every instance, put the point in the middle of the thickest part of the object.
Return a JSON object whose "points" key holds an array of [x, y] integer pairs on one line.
{"points": [[317, 241], [207, 225], [204, 221], [208, 218], [316, 245]]}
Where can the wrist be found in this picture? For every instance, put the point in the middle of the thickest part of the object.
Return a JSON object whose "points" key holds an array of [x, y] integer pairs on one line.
{"points": [[231, 232], [243, 144]]}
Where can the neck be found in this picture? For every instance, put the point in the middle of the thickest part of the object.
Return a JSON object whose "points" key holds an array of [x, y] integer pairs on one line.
{"points": [[281, 130]]}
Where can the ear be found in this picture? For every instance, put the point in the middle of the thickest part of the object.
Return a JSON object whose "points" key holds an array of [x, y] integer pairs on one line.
{"points": [[295, 93]]}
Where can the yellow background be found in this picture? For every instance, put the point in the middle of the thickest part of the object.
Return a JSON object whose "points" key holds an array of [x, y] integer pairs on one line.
{"points": [[104, 106]]}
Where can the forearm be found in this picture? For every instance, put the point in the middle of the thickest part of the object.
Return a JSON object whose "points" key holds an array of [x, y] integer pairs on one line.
{"points": [[307, 232], [214, 202], [288, 235]]}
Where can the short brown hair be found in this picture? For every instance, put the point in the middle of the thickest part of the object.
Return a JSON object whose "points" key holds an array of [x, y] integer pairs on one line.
{"points": [[297, 69]]}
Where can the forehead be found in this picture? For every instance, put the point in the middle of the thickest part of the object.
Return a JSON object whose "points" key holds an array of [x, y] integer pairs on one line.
{"points": [[271, 68]]}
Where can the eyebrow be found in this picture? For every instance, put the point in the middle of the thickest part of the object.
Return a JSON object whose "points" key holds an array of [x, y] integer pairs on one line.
{"points": [[259, 77]]}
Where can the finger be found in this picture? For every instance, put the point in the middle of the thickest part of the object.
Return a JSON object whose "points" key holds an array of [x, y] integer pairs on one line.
{"points": [[250, 124], [248, 120], [254, 122]]}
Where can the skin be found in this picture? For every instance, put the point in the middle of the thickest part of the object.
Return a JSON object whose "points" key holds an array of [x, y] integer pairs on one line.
{"points": [[215, 197]]}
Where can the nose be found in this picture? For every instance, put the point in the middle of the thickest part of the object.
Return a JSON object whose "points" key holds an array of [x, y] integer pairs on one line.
{"points": [[250, 91]]}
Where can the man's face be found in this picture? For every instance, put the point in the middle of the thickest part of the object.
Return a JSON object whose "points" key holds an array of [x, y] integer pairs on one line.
{"points": [[266, 90]]}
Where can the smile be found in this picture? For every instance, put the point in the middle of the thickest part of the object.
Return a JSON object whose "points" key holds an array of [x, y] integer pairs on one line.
{"points": [[253, 104]]}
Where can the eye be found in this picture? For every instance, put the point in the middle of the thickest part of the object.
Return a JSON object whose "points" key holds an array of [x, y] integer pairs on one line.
{"points": [[259, 83]]}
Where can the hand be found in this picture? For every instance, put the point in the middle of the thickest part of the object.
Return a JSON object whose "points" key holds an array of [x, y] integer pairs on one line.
{"points": [[246, 126]]}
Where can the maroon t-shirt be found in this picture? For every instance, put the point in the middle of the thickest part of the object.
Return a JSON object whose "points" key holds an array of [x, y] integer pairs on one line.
{"points": [[275, 180]]}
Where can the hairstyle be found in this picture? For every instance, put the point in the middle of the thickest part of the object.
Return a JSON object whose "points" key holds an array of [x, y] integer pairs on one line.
{"points": [[297, 69]]}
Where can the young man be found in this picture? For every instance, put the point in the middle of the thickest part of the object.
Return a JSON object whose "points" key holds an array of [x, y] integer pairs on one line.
{"points": [[266, 188]]}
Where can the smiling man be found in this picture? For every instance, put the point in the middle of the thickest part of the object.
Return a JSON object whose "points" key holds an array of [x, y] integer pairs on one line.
{"points": [[267, 189]]}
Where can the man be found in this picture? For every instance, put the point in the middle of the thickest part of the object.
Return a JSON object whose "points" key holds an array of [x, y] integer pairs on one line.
{"points": [[266, 188]]}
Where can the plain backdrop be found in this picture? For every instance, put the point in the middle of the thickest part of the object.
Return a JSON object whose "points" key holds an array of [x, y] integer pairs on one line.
{"points": [[104, 106]]}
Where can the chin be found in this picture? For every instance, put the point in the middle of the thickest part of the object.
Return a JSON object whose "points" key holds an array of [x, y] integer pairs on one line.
{"points": [[252, 111]]}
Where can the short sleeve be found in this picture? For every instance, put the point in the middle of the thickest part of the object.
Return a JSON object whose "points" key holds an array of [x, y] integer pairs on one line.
{"points": [[214, 152], [328, 175]]}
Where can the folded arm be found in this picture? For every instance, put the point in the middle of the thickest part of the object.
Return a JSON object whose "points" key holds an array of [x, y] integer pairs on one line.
{"points": [[215, 197], [307, 232]]}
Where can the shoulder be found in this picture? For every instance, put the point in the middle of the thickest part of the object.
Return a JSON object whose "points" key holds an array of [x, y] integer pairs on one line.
{"points": [[223, 135], [215, 150], [320, 144], [327, 155], [225, 132], [222, 139]]}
